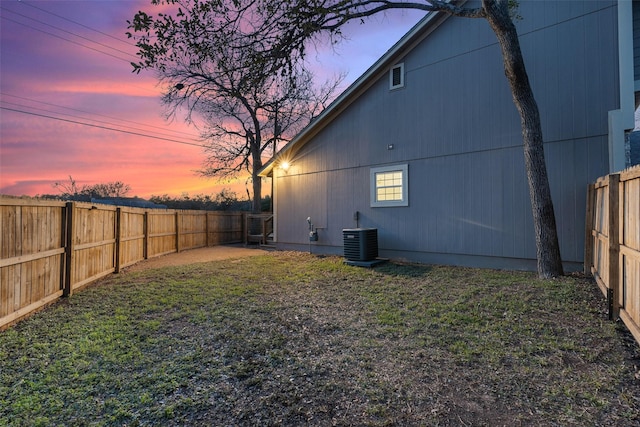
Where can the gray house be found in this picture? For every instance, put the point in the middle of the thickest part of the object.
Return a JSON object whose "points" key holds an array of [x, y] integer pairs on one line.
{"points": [[426, 146]]}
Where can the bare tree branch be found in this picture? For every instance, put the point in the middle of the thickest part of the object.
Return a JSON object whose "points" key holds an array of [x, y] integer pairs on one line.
{"points": [[217, 70]]}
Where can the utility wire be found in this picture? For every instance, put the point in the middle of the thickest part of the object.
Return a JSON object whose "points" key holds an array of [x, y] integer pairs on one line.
{"points": [[96, 50], [102, 127], [85, 118], [65, 39], [77, 23], [88, 112], [74, 34], [68, 32]]}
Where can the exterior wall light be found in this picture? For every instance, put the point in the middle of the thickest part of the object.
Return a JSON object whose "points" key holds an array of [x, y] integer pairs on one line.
{"points": [[284, 165]]}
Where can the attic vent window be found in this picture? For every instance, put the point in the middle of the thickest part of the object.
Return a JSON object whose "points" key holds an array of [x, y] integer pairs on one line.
{"points": [[396, 76]]}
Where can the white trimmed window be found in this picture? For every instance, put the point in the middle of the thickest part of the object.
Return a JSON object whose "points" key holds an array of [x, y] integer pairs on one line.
{"points": [[396, 76], [389, 186]]}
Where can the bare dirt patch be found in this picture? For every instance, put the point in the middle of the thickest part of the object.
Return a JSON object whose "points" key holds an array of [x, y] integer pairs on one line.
{"points": [[195, 256]]}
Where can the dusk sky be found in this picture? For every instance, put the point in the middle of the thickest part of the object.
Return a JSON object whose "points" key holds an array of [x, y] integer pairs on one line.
{"points": [[72, 107]]}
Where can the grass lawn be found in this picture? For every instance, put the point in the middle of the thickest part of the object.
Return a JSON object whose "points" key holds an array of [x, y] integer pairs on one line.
{"points": [[294, 339]]}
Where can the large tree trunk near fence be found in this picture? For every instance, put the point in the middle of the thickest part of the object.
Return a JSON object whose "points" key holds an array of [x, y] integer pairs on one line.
{"points": [[546, 235]]}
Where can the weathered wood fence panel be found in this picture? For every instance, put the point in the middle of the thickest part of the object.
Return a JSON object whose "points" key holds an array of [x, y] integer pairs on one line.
{"points": [[599, 234], [224, 227], [132, 236], [629, 276], [161, 233], [192, 230], [49, 248], [32, 251], [612, 247], [94, 243]]}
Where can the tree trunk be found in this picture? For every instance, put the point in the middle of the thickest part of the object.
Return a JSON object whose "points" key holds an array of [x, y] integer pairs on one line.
{"points": [[257, 181], [547, 247]]}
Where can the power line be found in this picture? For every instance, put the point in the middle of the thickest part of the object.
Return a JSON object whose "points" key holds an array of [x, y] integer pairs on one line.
{"points": [[102, 127], [77, 23], [85, 118], [66, 31], [89, 112], [74, 34], [65, 39], [21, 108], [133, 56]]}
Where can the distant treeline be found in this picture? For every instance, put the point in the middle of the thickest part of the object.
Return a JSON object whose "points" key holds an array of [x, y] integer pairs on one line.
{"points": [[226, 200]]}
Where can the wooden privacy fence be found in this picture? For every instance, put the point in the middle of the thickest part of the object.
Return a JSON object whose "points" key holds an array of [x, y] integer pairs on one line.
{"points": [[49, 249], [612, 244]]}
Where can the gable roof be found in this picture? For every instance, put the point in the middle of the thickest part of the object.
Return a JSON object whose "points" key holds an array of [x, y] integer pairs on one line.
{"points": [[380, 68]]}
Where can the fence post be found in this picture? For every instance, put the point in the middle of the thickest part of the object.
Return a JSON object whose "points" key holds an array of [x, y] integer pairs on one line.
{"points": [[146, 235], [206, 227], [69, 250], [245, 228], [63, 245], [178, 231], [620, 242], [588, 233], [118, 229], [614, 245]]}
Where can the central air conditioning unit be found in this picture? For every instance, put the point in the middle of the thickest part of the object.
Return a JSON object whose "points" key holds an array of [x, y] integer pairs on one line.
{"points": [[360, 244]]}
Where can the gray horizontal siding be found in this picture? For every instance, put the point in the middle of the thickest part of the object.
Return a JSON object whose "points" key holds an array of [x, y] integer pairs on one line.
{"points": [[455, 124], [468, 204]]}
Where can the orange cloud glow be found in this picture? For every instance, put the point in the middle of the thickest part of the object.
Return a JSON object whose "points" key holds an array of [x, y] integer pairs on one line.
{"points": [[71, 105]]}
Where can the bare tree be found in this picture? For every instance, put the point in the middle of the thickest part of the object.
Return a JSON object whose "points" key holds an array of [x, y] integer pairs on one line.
{"points": [[241, 132], [70, 189], [109, 189], [215, 72]]}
